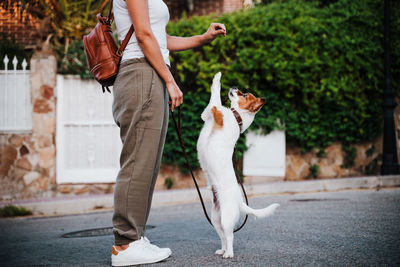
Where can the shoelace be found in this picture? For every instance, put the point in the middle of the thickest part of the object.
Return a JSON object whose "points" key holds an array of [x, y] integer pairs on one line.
{"points": [[148, 244], [144, 242]]}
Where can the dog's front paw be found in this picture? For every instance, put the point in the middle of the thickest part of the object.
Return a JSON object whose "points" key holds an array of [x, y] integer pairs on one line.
{"points": [[217, 77], [216, 85], [227, 255], [219, 251]]}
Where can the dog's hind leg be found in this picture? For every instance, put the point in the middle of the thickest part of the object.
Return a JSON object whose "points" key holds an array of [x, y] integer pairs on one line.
{"points": [[216, 221], [228, 220], [228, 234]]}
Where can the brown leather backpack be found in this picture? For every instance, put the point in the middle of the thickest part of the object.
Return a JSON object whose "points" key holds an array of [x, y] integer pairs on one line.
{"points": [[102, 53]]}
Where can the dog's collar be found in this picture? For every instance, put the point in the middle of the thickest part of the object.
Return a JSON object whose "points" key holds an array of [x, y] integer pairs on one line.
{"points": [[238, 118]]}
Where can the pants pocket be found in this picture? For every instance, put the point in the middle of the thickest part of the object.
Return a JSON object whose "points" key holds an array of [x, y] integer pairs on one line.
{"points": [[148, 83]]}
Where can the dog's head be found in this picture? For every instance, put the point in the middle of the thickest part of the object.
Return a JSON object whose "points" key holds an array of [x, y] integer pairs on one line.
{"points": [[245, 101]]}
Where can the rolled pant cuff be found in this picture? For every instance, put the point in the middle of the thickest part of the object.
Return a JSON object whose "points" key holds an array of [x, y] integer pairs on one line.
{"points": [[120, 240]]}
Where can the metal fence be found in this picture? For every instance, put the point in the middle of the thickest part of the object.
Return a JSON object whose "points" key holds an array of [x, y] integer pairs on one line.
{"points": [[15, 99]]}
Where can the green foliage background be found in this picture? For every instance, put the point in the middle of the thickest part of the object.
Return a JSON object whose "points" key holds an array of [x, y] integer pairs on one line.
{"points": [[318, 63], [74, 61], [10, 48]]}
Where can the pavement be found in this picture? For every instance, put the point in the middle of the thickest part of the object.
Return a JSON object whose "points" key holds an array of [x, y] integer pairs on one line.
{"points": [[344, 228], [254, 187]]}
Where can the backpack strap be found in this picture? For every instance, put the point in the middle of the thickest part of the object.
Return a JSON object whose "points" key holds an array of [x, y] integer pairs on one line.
{"points": [[125, 41], [110, 17], [128, 36]]}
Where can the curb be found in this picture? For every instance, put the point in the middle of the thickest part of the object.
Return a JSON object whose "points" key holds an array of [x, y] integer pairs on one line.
{"points": [[293, 187], [76, 205]]}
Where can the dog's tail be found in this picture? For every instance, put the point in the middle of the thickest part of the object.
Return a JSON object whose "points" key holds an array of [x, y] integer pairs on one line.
{"points": [[259, 213]]}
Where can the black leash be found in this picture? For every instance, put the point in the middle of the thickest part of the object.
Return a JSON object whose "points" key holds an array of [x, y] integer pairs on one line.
{"points": [[178, 130]]}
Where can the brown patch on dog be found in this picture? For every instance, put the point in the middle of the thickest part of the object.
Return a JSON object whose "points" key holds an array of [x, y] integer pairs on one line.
{"points": [[215, 199], [218, 118], [250, 102]]}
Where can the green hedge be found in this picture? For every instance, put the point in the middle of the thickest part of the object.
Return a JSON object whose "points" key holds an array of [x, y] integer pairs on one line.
{"points": [[320, 67], [318, 63], [9, 47], [74, 61]]}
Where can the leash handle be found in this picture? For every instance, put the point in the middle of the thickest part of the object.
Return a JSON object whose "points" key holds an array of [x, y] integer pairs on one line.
{"points": [[178, 130]]}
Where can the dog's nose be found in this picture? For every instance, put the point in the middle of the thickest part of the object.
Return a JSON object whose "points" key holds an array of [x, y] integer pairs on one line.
{"points": [[234, 88]]}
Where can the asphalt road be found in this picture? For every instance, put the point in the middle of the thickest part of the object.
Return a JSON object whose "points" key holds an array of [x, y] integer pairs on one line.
{"points": [[357, 228]]}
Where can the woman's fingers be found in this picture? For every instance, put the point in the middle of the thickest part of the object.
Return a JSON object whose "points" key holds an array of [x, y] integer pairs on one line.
{"points": [[214, 30], [175, 94], [173, 103], [219, 28], [178, 99]]}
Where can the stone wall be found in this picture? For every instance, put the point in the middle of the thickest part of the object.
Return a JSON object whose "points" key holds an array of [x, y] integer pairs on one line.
{"points": [[179, 179], [28, 160], [331, 163], [367, 159], [27, 167]]}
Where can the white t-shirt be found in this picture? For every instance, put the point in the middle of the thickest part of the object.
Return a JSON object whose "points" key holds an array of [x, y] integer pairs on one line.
{"points": [[159, 17]]}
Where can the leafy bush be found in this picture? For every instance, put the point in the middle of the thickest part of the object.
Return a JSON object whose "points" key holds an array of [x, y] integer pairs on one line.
{"points": [[314, 171], [169, 182], [73, 60], [350, 157], [373, 167], [10, 48], [319, 65], [13, 211], [395, 45], [65, 20]]}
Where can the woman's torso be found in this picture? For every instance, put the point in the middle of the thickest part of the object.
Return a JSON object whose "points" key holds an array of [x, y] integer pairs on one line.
{"points": [[159, 16]]}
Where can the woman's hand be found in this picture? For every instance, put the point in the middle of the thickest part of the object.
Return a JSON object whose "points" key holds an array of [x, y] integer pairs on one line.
{"points": [[214, 31], [175, 94], [175, 43]]}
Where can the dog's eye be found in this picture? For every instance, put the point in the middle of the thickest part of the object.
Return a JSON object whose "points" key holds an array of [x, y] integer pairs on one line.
{"points": [[244, 95]]}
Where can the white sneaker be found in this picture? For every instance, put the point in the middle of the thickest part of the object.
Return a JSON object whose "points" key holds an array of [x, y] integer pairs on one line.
{"points": [[138, 252], [156, 248]]}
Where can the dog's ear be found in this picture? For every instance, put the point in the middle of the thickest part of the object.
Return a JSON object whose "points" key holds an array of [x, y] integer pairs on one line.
{"points": [[257, 104]]}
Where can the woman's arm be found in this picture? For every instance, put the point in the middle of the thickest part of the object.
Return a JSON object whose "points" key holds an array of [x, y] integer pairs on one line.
{"points": [[175, 43], [139, 13]]}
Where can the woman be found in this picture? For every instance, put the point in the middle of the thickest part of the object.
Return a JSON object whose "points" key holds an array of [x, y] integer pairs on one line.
{"points": [[140, 109]]}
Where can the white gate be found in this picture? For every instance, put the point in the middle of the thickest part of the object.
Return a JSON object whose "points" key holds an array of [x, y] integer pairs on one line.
{"points": [[88, 143], [15, 100], [266, 154]]}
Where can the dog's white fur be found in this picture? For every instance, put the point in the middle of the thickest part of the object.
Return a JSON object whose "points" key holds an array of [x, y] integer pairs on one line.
{"points": [[215, 148]]}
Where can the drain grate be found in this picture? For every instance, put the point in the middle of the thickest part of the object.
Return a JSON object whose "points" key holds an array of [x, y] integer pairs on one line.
{"points": [[317, 199], [95, 232]]}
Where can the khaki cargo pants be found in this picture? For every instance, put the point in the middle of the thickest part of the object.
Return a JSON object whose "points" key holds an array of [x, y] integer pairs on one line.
{"points": [[140, 109]]}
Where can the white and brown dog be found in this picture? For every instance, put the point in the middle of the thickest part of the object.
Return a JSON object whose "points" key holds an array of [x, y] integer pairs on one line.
{"points": [[215, 147]]}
